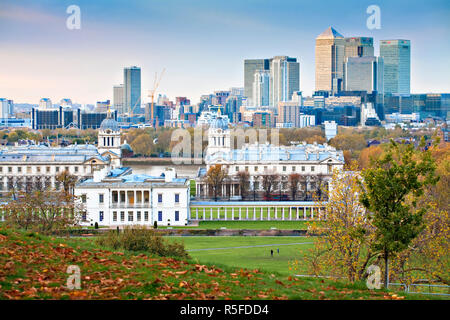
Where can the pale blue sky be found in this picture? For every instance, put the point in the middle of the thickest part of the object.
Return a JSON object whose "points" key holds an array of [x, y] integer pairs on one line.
{"points": [[202, 43]]}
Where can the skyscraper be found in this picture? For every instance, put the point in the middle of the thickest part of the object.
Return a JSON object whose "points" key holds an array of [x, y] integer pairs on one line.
{"points": [[261, 88], [329, 61], [250, 67], [285, 79], [397, 66], [118, 99], [132, 89], [364, 74], [358, 47]]}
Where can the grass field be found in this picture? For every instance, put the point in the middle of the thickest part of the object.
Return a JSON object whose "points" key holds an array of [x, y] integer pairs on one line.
{"points": [[256, 225], [35, 267], [256, 257]]}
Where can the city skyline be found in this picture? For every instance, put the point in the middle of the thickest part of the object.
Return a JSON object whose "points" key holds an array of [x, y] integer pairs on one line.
{"points": [[42, 58]]}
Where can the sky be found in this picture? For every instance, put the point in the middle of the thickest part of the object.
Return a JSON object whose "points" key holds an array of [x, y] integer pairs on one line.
{"points": [[201, 44]]}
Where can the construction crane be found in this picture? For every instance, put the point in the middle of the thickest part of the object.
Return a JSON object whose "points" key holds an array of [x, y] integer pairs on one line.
{"points": [[151, 94]]}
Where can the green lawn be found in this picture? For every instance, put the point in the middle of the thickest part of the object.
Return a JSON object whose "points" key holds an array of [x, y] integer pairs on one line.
{"points": [[228, 213], [35, 267], [258, 257]]}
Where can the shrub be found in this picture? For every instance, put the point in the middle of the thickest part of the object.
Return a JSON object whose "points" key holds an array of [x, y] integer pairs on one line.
{"points": [[96, 225], [142, 239], [155, 225]]}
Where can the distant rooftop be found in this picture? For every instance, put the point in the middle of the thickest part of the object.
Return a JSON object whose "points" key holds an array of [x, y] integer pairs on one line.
{"points": [[330, 33]]}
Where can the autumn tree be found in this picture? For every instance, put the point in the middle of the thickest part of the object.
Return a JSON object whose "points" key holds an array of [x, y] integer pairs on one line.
{"points": [[369, 154], [42, 211], [344, 249], [142, 145], [392, 187], [67, 180], [294, 183], [214, 178], [269, 181], [244, 182]]}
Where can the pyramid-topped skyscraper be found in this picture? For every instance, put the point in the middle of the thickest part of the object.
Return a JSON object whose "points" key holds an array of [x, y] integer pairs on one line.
{"points": [[329, 61]]}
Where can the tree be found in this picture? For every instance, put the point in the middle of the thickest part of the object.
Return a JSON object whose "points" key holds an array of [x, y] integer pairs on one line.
{"points": [[214, 179], [391, 189], [68, 181], [269, 180], [367, 156], [142, 145], [42, 210], [244, 183], [294, 183], [343, 251]]}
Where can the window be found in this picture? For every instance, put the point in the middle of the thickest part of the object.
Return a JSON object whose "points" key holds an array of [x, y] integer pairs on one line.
{"points": [[19, 169], [265, 168], [159, 197], [100, 198], [29, 170], [312, 168], [159, 215], [38, 169], [67, 169], [114, 215], [177, 215], [130, 215], [101, 215], [293, 168], [237, 169], [177, 198], [284, 168], [47, 169], [145, 215], [1, 169], [83, 198], [84, 216], [122, 216], [303, 168], [138, 216], [57, 169], [76, 169], [256, 168], [9, 169]]}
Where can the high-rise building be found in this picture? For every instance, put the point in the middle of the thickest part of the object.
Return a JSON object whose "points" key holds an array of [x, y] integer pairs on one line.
{"points": [[118, 99], [250, 67], [45, 103], [288, 114], [261, 88], [358, 47], [6, 108], [397, 66], [285, 79], [132, 89], [330, 46], [364, 74]]}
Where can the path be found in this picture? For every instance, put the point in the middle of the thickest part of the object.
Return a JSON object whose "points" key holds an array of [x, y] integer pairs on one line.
{"points": [[255, 246]]}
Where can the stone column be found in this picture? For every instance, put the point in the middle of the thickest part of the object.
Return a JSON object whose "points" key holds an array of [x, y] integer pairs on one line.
{"points": [[196, 213], [304, 213], [240, 213], [290, 213]]}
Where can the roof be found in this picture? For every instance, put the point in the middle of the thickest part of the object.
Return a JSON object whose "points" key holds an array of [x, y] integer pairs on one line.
{"points": [[110, 124], [118, 179], [46, 154], [330, 33], [268, 153]]}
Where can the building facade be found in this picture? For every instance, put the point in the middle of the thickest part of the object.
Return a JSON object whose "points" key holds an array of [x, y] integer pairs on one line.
{"points": [[364, 74], [312, 161], [329, 61], [118, 197], [36, 166], [132, 89], [397, 66]]}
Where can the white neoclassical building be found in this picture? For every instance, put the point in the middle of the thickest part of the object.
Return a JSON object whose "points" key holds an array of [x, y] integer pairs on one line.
{"points": [[25, 167], [312, 161], [119, 198]]}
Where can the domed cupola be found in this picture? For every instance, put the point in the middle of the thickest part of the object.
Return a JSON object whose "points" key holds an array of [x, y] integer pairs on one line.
{"points": [[109, 138]]}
